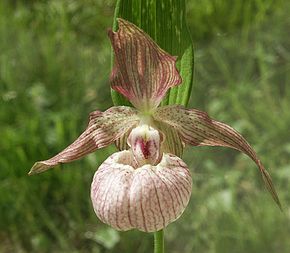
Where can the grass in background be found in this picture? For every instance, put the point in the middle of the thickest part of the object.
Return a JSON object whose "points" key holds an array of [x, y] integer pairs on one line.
{"points": [[54, 69]]}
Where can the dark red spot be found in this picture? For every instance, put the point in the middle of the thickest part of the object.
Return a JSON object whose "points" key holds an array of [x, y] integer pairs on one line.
{"points": [[145, 148]]}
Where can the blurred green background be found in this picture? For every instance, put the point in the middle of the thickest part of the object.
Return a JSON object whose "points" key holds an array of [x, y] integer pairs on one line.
{"points": [[54, 69]]}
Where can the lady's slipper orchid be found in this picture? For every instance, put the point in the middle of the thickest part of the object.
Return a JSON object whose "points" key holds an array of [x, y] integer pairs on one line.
{"points": [[146, 185]]}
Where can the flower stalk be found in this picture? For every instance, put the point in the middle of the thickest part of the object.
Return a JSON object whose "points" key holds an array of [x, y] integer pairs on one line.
{"points": [[159, 241]]}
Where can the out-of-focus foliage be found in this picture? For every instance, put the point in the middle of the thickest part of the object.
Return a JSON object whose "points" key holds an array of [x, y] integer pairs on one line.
{"points": [[54, 69]]}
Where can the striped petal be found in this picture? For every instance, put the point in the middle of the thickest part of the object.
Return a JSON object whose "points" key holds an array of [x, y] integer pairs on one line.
{"points": [[143, 72], [147, 198], [172, 142], [196, 128], [103, 129], [121, 143]]}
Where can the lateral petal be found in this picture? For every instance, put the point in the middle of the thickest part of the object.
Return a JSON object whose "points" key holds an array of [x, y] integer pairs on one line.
{"points": [[197, 128], [103, 129], [143, 72], [172, 142]]}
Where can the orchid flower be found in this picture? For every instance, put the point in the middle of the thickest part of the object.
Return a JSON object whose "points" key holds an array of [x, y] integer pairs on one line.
{"points": [[146, 185]]}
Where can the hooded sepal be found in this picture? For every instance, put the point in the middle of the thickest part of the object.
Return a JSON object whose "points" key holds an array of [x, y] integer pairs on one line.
{"points": [[142, 71]]}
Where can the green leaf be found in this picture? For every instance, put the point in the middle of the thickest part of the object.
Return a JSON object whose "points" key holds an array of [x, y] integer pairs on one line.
{"points": [[164, 21]]}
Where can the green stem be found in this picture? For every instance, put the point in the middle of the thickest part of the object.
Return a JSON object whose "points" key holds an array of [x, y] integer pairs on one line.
{"points": [[159, 241]]}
